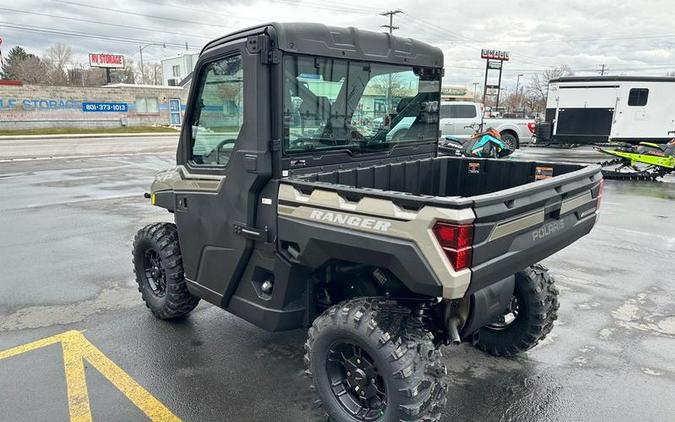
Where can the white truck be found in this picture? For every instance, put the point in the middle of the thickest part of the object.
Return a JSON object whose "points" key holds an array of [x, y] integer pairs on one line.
{"points": [[461, 119]]}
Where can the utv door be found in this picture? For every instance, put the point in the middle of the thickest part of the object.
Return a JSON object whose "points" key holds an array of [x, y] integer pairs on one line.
{"points": [[224, 152]]}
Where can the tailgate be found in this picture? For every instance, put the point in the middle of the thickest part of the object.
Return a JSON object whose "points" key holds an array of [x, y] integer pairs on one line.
{"points": [[518, 227]]}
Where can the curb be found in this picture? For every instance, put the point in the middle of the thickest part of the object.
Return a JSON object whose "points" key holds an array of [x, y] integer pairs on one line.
{"points": [[88, 135]]}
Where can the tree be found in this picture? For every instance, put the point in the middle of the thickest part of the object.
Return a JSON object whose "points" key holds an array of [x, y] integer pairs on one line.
{"points": [[56, 58], [14, 58], [538, 85], [151, 74], [31, 70]]}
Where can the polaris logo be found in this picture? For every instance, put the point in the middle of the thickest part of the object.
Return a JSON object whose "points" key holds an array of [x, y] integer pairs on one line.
{"points": [[548, 229], [350, 220]]}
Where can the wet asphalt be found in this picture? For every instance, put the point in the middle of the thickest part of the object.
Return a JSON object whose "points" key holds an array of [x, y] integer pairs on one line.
{"points": [[69, 211]]}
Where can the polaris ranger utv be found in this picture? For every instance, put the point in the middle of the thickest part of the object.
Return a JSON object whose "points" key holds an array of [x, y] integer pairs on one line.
{"points": [[293, 209]]}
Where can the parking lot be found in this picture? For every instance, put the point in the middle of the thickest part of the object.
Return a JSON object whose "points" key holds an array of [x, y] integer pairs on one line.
{"points": [[69, 211]]}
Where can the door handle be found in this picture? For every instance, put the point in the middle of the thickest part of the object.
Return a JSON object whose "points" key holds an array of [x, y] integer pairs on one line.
{"points": [[251, 232]]}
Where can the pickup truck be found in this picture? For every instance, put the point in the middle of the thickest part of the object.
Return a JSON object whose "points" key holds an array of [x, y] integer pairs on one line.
{"points": [[461, 119], [290, 215]]}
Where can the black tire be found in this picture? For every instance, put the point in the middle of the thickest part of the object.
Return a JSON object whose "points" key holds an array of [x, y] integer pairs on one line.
{"points": [[395, 347], [537, 308], [510, 140], [158, 267]]}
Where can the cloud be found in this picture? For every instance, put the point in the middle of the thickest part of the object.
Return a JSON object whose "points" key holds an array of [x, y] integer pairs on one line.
{"points": [[630, 37]]}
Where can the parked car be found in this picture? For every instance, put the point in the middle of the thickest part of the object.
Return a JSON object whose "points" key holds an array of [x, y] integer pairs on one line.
{"points": [[461, 119]]}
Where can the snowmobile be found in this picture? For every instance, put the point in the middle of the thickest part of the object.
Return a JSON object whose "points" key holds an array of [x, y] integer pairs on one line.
{"points": [[487, 144], [645, 161]]}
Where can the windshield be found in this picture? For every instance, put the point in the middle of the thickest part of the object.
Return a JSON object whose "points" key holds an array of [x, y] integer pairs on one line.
{"points": [[343, 104]]}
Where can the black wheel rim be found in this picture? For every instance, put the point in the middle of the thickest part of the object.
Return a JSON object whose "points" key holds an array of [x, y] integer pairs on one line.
{"points": [[508, 318], [154, 272], [355, 381], [509, 141]]}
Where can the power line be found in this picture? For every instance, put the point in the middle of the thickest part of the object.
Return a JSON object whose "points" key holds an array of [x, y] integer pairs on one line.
{"points": [[72, 3], [344, 8], [56, 31], [102, 23]]}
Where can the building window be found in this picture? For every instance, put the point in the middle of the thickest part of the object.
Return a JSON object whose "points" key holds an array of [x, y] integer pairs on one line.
{"points": [[638, 97], [147, 105], [176, 71]]}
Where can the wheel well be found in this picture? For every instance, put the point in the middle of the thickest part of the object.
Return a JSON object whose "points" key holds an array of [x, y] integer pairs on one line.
{"points": [[340, 280]]}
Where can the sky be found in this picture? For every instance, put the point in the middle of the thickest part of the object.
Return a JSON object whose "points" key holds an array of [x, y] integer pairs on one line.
{"points": [[629, 37]]}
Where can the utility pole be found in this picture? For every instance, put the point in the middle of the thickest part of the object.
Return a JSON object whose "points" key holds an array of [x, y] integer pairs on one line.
{"points": [[602, 69], [391, 28], [391, 14], [475, 88]]}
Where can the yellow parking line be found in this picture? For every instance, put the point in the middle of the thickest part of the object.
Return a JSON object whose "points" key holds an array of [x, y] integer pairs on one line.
{"points": [[76, 380], [77, 349]]}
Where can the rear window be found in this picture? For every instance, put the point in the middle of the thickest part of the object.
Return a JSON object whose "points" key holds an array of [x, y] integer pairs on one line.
{"points": [[458, 111], [638, 97]]}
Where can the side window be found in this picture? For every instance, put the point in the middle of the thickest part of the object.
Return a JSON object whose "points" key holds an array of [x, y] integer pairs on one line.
{"points": [[638, 97], [447, 111], [465, 111], [458, 111], [219, 111]]}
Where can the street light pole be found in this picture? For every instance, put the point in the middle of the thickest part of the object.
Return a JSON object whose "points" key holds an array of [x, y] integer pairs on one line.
{"points": [[140, 51], [518, 92]]}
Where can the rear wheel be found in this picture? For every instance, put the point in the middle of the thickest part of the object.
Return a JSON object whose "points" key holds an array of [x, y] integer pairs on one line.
{"points": [[158, 266], [369, 360], [529, 317], [510, 140]]}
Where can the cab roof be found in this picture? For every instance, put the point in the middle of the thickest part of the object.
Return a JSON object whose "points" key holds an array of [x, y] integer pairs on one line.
{"points": [[349, 43]]}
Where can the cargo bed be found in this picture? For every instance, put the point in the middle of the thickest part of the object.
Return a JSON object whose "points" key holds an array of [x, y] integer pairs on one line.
{"points": [[522, 211]]}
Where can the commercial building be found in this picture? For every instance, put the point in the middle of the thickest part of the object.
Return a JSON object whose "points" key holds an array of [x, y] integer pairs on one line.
{"points": [[456, 93], [38, 106], [175, 69]]}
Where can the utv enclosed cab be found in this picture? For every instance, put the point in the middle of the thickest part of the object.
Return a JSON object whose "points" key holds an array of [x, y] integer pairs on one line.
{"points": [[308, 191], [279, 78]]}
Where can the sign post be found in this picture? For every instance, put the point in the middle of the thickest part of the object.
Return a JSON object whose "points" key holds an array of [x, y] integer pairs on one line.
{"points": [[494, 60]]}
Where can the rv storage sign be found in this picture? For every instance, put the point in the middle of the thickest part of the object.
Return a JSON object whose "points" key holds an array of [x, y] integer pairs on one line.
{"points": [[106, 60]]}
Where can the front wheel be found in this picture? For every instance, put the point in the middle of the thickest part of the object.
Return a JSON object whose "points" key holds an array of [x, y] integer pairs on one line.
{"points": [[159, 271], [529, 317], [370, 361]]}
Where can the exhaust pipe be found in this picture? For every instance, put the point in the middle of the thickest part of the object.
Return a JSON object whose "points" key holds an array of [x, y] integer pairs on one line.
{"points": [[453, 331]]}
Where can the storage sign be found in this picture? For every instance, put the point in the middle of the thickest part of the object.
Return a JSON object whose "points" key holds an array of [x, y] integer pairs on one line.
{"points": [[494, 54], [105, 107], [106, 60]]}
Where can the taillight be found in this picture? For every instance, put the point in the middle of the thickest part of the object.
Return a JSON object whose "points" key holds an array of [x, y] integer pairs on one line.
{"points": [[531, 126], [598, 197], [456, 241]]}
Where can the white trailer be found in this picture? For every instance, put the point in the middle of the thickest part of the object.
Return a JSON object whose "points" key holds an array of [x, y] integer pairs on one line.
{"points": [[583, 110]]}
